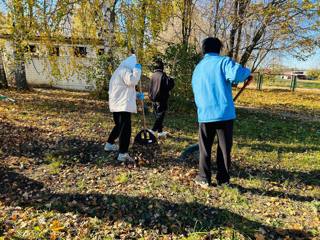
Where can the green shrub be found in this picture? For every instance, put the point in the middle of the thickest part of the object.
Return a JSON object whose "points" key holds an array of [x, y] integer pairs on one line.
{"points": [[181, 61], [100, 73]]}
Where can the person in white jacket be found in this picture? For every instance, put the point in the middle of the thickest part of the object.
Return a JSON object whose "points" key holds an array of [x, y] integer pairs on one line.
{"points": [[122, 102]]}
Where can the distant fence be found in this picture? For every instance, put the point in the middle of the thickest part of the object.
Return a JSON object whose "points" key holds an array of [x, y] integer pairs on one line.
{"points": [[267, 81]]}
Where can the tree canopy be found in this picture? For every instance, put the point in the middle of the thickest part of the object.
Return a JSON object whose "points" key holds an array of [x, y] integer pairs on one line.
{"points": [[251, 30]]}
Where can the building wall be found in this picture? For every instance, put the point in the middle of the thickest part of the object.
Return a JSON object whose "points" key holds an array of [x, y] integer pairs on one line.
{"points": [[65, 71]]}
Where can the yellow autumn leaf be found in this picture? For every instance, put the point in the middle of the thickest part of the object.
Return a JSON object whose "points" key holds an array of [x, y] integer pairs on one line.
{"points": [[14, 217], [297, 226], [56, 226], [53, 236]]}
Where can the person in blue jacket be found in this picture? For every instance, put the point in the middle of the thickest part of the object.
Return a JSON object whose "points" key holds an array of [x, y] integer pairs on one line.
{"points": [[212, 88]]}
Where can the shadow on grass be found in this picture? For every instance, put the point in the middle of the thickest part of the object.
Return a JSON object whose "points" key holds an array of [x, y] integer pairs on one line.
{"points": [[265, 147], [63, 106], [247, 171], [43, 145], [148, 213], [276, 175], [56, 102], [273, 193]]}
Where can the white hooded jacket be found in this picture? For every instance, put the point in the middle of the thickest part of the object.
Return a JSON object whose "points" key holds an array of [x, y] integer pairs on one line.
{"points": [[122, 92]]}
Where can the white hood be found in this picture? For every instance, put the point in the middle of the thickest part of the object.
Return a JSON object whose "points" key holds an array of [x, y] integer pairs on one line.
{"points": [[122, 93], [129, 62]]}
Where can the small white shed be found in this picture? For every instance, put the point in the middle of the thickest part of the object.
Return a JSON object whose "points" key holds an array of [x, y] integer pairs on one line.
{"points": [[63, 64]]}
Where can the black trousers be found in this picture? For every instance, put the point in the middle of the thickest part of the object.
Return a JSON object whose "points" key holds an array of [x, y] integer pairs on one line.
{"points": [[207, 132], [121, 130], [159, 109]]}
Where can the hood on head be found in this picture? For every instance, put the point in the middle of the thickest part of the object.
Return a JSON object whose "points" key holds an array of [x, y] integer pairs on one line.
{"points": [[129, 62]]}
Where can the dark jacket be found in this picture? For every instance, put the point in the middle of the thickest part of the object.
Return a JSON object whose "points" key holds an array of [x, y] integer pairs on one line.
{"points": [[160, 86]]}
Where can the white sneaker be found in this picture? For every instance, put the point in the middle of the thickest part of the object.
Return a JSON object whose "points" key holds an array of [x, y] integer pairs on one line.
{"points": [[123, 157], [163, 134], [111, 147]]}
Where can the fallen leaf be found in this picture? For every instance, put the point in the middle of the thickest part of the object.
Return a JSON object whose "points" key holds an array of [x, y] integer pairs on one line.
{"points": [[259, 236]]}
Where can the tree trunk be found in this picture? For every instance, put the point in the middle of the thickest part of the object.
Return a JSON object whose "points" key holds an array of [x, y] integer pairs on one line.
{"points": [[104, 30], [20, 30], [141, 32], [259, 34], [3, 78], [216, 17], [238, 43], [186, 21], [112, 39], [234, 29], [242, 9], [20, 76], [245, 57]]}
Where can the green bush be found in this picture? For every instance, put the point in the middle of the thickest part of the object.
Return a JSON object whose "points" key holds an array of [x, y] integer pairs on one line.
{"points": [[100, 72], [179, 104], [181, 61]]}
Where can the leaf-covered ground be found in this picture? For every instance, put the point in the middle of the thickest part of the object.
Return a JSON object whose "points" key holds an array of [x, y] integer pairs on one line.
{"points": [[58, 183]]}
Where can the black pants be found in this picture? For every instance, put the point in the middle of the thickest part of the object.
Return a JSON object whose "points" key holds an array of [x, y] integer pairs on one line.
{"points": [[207, 132], [159, 109], [122, 129]]}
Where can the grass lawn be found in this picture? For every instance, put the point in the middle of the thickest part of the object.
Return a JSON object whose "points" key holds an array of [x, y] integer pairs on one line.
{"points": [[276, 81], [58, 183]]}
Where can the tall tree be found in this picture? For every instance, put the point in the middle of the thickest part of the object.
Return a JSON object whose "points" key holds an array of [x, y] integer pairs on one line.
{"points": [[187, 7], [37, 19], [185, 13], [252, 30], [143, 20], [107, 25], [3, 77], [20, 32], [3, 30]]}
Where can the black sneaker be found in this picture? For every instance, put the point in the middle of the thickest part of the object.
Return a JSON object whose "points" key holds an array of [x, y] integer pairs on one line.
{"points": [[202, 182]]}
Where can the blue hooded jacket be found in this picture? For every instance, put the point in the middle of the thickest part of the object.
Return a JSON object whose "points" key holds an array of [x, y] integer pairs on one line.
{"points": [[212, 87]]}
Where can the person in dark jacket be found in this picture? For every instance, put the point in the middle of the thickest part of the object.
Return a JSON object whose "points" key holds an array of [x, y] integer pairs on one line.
{"points": [[159, 93], [211, 84]]}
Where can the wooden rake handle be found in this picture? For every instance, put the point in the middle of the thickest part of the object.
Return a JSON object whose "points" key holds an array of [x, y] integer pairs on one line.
{"points": [[142, 102], [250, 78]]}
